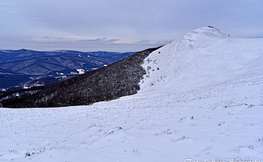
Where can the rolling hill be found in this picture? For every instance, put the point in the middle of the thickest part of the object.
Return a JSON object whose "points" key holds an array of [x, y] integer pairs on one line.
{"points": [[23, 66]]}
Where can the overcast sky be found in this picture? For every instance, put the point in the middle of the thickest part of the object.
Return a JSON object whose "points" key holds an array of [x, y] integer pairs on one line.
{"points": [[120, 25]]}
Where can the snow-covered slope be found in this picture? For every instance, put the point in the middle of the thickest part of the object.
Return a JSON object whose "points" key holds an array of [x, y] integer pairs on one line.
{"points": [[201, 99], [204, 58]]}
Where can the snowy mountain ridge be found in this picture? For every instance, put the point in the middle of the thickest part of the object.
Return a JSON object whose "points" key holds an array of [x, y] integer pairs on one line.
{"points": [[198, 38], [201, 99], [202, 58]]}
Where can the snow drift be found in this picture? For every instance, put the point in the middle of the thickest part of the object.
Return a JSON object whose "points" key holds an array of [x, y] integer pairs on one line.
{"points": [[201, 100]]}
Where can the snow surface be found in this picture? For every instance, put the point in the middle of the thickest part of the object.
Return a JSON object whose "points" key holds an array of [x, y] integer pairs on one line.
{"points": [[201, 99]]}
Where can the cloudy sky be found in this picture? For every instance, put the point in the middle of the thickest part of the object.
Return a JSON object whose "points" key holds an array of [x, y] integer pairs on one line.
{"points": [[120, 25]]}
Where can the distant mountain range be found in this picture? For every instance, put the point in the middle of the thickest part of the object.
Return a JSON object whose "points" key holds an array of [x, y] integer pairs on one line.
{"points": [[27, 68]]}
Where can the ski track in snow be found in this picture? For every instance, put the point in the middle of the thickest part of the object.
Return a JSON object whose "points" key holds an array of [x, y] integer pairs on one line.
{"points": [[202, 98]]}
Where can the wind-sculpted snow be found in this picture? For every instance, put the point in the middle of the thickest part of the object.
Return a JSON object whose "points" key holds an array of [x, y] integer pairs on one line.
{"points": [[199, 38], [200, 104]]}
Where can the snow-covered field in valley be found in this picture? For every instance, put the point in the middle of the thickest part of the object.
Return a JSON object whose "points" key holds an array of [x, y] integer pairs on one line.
{"points": [[201, 100]]}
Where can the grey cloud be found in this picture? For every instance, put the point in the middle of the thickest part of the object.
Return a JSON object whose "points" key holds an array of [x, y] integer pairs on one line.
{"points": [[99, 40]]}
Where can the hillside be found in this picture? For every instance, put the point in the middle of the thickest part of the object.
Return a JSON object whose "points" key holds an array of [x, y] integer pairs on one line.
{"points": [[118, 79], [200, 99]]}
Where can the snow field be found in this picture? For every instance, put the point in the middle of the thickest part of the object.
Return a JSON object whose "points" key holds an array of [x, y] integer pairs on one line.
{"points": [[162, 130]]}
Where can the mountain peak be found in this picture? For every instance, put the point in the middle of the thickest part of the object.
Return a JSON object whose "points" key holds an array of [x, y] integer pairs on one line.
{"points": [[202, 57], [201, 37], [208, 32]]}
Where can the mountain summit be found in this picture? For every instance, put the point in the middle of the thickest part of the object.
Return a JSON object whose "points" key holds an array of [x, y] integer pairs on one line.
{"points": [[198, 38], [203, 58]]}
